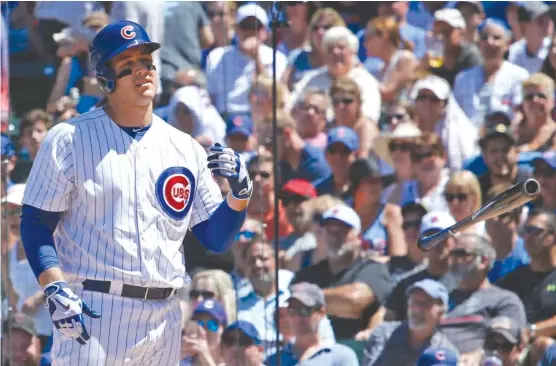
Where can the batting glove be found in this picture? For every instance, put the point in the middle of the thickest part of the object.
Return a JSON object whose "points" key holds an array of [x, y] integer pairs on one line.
{"points": [[66, 310], [227, 163]]}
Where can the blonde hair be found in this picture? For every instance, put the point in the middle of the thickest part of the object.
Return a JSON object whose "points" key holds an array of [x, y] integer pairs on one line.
{"points": [[266, 83], [466, 182], [346, 85], [333, 15], [225, 292], [541, 80], [317, 206], [388, 26]]}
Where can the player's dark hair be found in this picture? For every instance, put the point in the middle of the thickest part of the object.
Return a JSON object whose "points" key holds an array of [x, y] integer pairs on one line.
{"points": [[549, 215]]}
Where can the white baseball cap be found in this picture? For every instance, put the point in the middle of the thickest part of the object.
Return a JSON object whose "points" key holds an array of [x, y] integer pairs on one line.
{"points": [[451, 16], [14, 195], [252, 10], [439, 220], [343, 214], [403, 130], [435, 84]]}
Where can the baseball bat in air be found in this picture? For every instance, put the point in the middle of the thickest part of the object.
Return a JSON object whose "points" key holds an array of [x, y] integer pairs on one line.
{"points": [[513, 197]]}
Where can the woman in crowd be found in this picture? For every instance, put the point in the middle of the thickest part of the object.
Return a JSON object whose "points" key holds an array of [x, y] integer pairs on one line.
{"points": [[340, 56], [191, 111], [346, 102], [381, 224], [312, 57], [395, 149], [537, 130], [222, 15], [463, 195], [212, 284], [383, 40]]}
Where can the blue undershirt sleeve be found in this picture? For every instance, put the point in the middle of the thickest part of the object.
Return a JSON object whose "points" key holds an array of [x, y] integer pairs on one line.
{"points": [[219, 231], [37, 229]]}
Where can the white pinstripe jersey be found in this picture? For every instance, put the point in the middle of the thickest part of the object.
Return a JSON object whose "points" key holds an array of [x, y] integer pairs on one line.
{"points": [[126, 204]]}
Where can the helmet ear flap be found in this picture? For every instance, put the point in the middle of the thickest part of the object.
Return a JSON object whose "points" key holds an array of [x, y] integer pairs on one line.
{"points": [[106, 79]]}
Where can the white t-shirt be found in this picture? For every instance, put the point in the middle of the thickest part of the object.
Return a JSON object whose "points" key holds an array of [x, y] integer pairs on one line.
{"points": [[518, 55]]}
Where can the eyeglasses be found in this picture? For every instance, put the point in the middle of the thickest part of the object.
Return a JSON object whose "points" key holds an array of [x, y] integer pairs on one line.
{"points": [[414, 224], [402, 146], [531, 230], [338, 149], [421, 155], [210, 325], [530, 96], [263, 175], [245, 235], [295, 199], [546, 173], [345, 101], [326, 27], [498, 345], [305, 311], [462, 253], [455, 196], [237, 338], [195, 294], [430, 98]]}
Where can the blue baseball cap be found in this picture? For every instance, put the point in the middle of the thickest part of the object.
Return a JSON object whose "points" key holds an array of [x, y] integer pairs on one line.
{"points": [[433, 288], [213, 308], [7, 147], [548, 157], [344, 135], [438, 356], [240, 124], [247, 328]]}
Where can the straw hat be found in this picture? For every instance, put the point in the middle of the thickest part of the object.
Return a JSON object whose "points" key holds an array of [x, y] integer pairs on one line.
{"points": [[403, 130]]}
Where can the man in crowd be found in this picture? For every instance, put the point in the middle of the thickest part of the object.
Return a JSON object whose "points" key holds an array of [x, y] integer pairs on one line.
{"points": [[505, 337], [342, 145], [535, 284], [306, 309], [474, 14], [474, 300], [310, 117], [545, 173], [239, 135], [241, 345], [232, 69], [354, 287], [509, 246], [402, 342], [495, 85], [20, 344], [431, 223]]}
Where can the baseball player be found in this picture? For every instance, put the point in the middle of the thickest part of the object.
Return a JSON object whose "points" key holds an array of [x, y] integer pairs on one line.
{"points": [[108, 202]]}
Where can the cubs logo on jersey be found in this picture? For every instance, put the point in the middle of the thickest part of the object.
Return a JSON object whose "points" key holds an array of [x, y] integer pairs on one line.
{"points": [[174, 191]]}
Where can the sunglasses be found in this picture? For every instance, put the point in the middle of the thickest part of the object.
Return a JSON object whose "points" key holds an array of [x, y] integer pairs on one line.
{"points": [[430, 98], [455, 196], [546, 173], [338, 149], [245, 235], [305, 311], [421, 155], [531, 230], [345, 101], [401, 146], [395, 116], [462, 253], [530, 96], [415, 224], [495, 345], [325, 27], [212, 14], [195, 294], [210, 325], [263, 175], [287, 200], [238, 338]]}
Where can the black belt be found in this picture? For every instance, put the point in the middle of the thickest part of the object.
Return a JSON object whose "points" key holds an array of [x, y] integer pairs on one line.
{"points": [[136, 292]]}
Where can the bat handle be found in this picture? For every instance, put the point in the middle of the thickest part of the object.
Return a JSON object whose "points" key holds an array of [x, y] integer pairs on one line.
{"points": [[426, 243]]}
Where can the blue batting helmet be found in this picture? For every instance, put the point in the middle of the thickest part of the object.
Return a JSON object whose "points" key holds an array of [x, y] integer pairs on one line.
{"points": [[112, 40]]}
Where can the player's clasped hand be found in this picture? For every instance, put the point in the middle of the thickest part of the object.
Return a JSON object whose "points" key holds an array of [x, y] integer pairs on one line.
{"points": [[66, 310], [227, 163]]}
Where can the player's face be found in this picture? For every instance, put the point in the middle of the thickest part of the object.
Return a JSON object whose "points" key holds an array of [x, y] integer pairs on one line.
{"points": [[137, 82]]}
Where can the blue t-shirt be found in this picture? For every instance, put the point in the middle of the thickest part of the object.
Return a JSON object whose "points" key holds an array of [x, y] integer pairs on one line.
{"points": [[300, 61], [375, 237], [517, 258], [333, 354], [312, 166]]}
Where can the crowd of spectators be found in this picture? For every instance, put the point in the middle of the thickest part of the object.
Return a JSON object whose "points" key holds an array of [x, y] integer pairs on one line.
{"points": [[394, 120]]}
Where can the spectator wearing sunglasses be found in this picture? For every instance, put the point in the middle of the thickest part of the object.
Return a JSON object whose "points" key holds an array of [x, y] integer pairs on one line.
{"points": [[340, 154], [241, 345], [294, 193], [346, 104], [504, 238], [215, 285], [545, 172], [495, 85], [436, 111], [436, 267], [428, 159], [535, 284], [505, 337], [537, 130], [306, 309], [201, 337], [474, 301], [394, 148], [463, 195], [402, 342]]}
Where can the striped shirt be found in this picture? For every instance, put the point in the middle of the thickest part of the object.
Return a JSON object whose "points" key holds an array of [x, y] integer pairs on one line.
{"points": [[126, 204]]}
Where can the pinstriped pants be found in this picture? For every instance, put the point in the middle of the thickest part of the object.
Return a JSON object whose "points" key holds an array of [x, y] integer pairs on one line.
{"points": [[129, 332]]}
